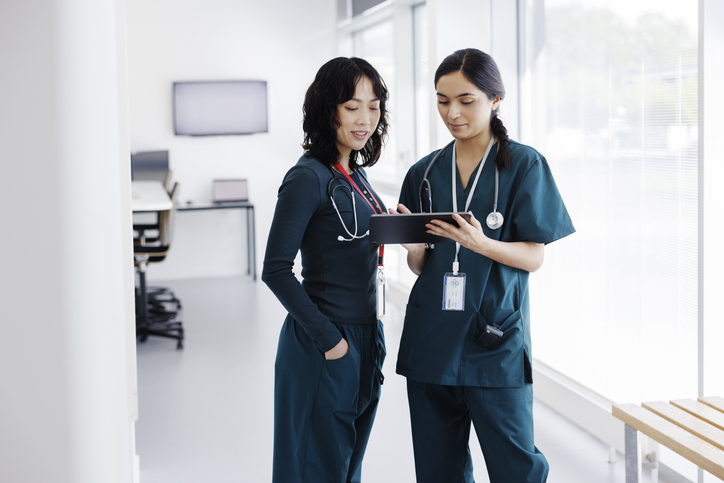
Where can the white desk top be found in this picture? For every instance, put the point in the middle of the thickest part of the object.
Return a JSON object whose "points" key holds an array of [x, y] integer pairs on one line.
{"points": [[149, 196]]}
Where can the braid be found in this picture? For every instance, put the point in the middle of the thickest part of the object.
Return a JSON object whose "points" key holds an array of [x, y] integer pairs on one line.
{"points": [[502, 159]]}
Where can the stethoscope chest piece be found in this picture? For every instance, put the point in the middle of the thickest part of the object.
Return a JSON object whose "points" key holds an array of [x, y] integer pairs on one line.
{"points": [[494, 220]]}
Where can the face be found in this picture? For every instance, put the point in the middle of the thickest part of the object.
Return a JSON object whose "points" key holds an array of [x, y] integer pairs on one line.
{"points": [[465, 109], [358, 118]]}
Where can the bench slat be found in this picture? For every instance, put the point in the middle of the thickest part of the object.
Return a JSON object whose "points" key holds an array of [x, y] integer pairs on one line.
{"points": [[702, 411], [714, 401], [688, 421], [699, 452]]}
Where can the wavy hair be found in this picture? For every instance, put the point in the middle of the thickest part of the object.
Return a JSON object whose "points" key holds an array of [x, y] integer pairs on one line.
{"points": [[335, 84], [480, 69]]}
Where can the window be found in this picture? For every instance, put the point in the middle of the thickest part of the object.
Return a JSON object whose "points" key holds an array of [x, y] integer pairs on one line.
{"points": [[423, 86], [375, 44], [612, 102], [393, 38]]}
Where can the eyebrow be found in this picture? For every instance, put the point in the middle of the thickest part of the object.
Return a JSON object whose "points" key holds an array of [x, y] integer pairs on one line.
{"points": [[466, 94], [376, 99]]}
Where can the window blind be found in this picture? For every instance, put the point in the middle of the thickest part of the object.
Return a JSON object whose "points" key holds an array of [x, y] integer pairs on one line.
{"points": [[612, 104]]}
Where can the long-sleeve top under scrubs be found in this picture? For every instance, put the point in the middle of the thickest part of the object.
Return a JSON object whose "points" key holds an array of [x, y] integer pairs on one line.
{"points": [[338, 276], [438, 346]]}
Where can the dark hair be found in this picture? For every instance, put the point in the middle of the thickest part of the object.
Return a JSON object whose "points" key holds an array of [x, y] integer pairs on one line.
{"points": [[480, 69], [335, 84]]}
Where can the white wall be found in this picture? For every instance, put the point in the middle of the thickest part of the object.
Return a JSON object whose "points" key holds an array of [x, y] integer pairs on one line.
{"points": [[64, 369], [283, 43]]}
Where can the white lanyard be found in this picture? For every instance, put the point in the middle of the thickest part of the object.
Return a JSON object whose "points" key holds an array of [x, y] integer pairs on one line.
{"points": [[456, 265]]}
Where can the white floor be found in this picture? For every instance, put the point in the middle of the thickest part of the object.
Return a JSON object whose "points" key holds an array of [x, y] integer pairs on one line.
{"points": [[206, 411]]}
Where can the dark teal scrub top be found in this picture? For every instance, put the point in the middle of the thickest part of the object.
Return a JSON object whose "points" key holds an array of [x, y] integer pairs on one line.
{"points": [[439, 346], [338, 277]]}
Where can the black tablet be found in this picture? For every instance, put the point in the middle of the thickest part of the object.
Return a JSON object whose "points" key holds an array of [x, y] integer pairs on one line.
{"points": [[408, 227]]}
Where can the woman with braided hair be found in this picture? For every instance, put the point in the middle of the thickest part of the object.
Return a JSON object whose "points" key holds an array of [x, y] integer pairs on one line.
{"points": [[466, 343]]}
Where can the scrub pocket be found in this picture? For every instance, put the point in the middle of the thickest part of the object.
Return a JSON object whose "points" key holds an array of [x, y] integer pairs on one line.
{"points": [[339, 382], [513, 330], [507, 361], [512, 336]]}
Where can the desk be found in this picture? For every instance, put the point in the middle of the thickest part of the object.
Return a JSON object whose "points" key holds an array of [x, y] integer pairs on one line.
{"points": [[149, 196], [250, 224]]}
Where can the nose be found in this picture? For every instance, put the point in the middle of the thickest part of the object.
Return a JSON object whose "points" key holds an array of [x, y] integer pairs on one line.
{"points": [[364, 117], [454, 111]]}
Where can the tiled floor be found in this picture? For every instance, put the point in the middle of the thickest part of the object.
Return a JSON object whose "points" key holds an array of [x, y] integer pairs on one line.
{"points": [[206, 411]]}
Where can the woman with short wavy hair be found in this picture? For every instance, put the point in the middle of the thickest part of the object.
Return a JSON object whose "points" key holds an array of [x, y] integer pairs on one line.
{"points": [[331, 348]]}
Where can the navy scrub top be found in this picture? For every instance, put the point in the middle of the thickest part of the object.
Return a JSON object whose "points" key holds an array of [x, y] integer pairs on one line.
{"points": [[338, 277], [439, 347]]}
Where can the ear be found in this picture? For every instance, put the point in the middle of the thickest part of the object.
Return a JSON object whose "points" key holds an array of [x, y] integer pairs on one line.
{"points": [[496, 102]]}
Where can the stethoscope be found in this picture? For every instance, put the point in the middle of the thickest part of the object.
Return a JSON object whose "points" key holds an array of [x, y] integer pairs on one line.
{"points": [[330, 193], [495, 219]]}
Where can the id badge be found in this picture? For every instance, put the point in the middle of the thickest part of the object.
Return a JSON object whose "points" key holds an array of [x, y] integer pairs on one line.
{"points": [[453, 291], [380, 288]]}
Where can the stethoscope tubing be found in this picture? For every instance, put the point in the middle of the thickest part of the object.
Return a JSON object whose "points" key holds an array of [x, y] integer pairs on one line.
{"points": [[330, 193], [494, 220]]}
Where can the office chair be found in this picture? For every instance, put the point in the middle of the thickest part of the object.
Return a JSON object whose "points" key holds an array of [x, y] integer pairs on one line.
{"points": [[157, 309]]}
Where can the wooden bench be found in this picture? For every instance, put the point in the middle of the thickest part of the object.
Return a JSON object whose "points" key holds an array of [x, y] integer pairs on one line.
{"points": [[693, 429]]}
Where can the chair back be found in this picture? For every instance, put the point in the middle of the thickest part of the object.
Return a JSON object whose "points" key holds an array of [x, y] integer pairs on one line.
{"points": [[167, 181], [165, 218]]}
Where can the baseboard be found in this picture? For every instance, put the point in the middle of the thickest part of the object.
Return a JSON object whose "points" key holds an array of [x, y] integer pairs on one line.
{"points": [[587, 409], [592, 412]]}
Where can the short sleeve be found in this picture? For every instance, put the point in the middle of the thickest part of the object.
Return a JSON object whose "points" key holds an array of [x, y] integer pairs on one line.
{"points": [[538, 212]]}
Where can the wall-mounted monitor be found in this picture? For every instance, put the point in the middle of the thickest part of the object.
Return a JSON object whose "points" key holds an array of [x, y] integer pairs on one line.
{"points": [[217, 108]]}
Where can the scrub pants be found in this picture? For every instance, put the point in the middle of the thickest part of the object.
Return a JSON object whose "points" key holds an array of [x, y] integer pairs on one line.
{"points": [[324, 410], [503, 419]]}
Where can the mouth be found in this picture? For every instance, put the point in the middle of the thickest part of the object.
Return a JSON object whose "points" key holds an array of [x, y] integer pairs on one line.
{"points": [[361, 135], [455, 126]]}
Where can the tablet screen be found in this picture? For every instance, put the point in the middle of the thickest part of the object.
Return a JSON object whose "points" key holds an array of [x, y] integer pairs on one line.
{"points": [[408, 227]]}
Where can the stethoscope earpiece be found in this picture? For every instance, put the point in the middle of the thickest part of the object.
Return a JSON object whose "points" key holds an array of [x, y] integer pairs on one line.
{"points": [[494, 220]]}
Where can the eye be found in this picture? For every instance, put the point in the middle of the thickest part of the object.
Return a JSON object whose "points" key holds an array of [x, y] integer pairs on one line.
{"points": [[440, 101], [350, 108], [466, 102]]}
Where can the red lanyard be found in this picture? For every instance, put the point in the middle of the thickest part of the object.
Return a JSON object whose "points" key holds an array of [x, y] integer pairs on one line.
{"points": [[341, 169]]}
